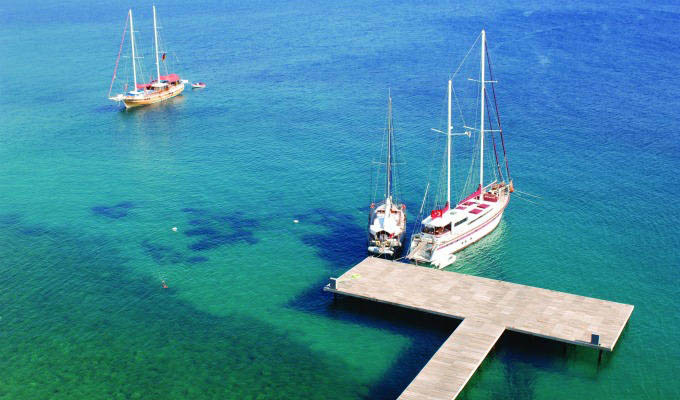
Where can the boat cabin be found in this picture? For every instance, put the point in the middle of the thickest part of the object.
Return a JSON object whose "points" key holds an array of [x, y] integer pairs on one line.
{"points": [[439, 225], [157, 86]]}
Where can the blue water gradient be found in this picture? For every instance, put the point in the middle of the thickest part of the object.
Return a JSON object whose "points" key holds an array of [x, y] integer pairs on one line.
{"points": [[286, 129]]}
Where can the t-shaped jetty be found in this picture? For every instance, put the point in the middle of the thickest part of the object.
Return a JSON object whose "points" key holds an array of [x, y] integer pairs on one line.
{"points": [[487, 307]]}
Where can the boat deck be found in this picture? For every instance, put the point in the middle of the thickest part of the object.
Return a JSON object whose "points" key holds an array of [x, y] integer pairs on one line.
{"points": [[488, 307]]}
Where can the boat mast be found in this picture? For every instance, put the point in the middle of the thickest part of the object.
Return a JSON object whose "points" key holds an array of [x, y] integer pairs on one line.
{"points": [[155, 39], [132, 45], [389, 146], [448, 151], [481, 123]]}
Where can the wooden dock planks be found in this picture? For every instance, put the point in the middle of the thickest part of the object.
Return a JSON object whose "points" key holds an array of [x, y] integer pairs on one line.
{"points": [[487, 307], [447, 372], [541, 312]]}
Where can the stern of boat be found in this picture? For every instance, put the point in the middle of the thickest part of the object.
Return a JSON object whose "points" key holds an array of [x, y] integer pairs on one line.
{"points": [[421, 248], [383, 245]]}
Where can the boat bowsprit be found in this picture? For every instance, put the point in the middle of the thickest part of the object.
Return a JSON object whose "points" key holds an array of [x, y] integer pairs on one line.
{"points": [[118, 97]]}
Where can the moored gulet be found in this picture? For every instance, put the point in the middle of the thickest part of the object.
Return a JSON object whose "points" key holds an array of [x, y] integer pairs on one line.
{"points": [[449, 229], [387, 218], [162, 88]]}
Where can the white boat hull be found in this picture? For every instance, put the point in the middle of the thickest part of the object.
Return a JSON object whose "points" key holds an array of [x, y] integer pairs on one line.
{"points": [[383, 251], [386, 227], [444, 254], [389, 247], [439, 250]]}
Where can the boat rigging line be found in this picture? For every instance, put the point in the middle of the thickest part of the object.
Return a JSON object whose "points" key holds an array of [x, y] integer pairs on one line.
{"points": [[498, 115], [120, 50]]}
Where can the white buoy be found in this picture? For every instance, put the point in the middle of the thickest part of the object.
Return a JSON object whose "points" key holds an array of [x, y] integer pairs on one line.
{"points": [[295, 221], [174, 229]]}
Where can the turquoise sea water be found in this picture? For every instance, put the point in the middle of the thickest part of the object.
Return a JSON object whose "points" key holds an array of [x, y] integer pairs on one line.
{"points": [[286, 129]]}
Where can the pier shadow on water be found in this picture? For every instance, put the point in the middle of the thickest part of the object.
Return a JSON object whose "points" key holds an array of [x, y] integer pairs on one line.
{"points": [[77, 323], [427, 333], [342, 243]]}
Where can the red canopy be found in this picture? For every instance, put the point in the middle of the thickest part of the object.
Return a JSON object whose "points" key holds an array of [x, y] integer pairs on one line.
{"points": [[473, 195], [170, 78], [143, 86]]}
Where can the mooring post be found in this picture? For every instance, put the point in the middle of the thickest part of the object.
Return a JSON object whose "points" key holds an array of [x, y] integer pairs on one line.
{"points": [[595, 339], [333, 284]]}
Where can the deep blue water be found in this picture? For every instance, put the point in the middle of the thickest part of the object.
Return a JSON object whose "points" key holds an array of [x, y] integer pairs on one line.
{"points": [[286, 129]]}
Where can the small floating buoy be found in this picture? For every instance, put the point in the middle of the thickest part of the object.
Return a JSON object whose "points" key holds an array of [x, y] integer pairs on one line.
{"points": [[174, 229], [295, 221], [165, 286]]}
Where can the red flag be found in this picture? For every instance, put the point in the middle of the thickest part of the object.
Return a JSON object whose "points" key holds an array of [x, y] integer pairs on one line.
{"points": [[163, 58]]}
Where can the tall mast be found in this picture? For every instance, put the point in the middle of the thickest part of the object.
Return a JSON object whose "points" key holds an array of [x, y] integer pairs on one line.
{"points": [[132, 45], [448, 151], [389, 146], [155, 39], [481, 122]]}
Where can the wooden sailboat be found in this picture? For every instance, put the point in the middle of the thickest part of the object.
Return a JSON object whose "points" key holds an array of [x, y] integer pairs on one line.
{"points": [[162, 88], [450, 228], [387, 218]]}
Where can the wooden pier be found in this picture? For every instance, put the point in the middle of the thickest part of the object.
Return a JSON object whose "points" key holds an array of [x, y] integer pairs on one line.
{"points": [[487, 307]]}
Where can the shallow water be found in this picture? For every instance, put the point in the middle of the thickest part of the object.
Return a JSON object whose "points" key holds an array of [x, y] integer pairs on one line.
{"points": [[286, 129]]}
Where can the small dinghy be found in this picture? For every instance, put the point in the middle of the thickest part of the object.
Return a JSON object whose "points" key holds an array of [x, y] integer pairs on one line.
{"points": [[198, 85]]}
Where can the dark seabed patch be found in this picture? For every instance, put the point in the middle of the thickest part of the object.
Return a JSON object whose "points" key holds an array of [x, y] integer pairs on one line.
{"points": [[341, 243], [215, 230], [162, 254], [196, 259], [86, 329], [117, 211]]}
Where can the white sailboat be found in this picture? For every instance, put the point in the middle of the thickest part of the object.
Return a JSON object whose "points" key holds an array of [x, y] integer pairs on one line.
{"points": [[387, 218], [450, 229]]}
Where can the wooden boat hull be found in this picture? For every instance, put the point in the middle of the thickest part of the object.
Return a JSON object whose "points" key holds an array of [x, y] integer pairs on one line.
{"points": [[153, 97]]}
